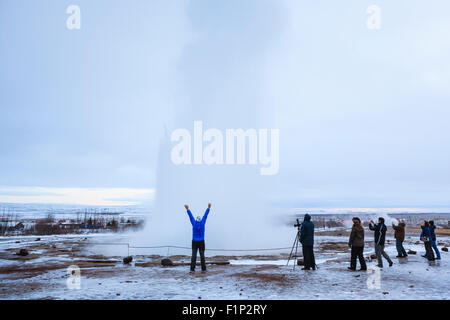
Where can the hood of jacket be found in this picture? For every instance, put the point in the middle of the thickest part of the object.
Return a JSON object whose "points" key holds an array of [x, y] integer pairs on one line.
{"points": [[357, 225], [307, 217]]}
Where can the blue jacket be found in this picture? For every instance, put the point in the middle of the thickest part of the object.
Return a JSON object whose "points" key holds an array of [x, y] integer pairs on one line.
{"points": [[307, 231], [425, 232], [198, 227], [433, 235]]}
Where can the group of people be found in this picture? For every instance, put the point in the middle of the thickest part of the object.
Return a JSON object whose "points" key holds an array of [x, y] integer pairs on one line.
{"points": [[356, 241]]}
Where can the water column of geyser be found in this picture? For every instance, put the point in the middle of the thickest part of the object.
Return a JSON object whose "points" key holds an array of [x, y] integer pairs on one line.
{"points": [[223, 82], [240, 216]]}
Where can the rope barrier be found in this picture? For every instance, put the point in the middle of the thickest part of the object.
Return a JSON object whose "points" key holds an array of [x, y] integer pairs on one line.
{"points": [[187, 248]]}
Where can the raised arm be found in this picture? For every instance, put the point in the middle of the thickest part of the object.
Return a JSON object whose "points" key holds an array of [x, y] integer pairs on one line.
{"points": [[191, 217], [205, 216]]}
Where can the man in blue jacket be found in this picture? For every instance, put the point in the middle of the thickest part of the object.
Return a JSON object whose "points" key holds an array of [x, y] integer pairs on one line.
{"points": [[198, 237], [307, 241], [433, 240]]}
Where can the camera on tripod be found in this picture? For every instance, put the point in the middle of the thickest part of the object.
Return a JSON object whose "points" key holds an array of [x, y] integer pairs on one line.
{"points": [[298, 224]]}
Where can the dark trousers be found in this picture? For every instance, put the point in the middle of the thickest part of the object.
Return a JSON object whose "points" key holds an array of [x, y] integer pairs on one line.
{"points": [[429, 251], [200, 246], [308, 257], [357, 252], [401, 251]]}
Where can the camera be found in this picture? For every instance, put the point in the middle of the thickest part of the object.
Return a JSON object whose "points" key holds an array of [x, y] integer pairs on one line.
{"points": [[298, 224]]}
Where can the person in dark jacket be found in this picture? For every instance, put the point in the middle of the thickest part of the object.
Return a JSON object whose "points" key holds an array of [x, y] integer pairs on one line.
{"points": [[307, 241], [399, 236], [425, 236], [356, 242], [198, 237], [433, 240], [380, 235]]}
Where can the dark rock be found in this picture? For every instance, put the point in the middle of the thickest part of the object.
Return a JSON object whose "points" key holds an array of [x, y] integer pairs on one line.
{"points": [[373, 256], [385, 292], [127, 260], [300, 262], [38, 239], [17, 241], [445, 249], [166, 262], [411, 251], [22, 252]]}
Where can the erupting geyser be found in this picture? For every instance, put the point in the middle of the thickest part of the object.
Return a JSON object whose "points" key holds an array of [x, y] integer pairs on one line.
{"points": [[223, 91], [240, 217]]}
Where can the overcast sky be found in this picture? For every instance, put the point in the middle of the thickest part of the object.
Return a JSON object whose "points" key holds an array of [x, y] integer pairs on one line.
{"points": [[363, 114]]}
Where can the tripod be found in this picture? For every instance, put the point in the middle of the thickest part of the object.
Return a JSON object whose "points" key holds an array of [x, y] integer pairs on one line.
{"points": [[295, 245]]}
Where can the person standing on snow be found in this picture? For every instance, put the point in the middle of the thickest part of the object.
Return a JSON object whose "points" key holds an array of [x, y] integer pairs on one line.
{"points": [[198, 237], [433, 240], [399, 236], [425, 236], [307, 241], [356, 242], [380, 235]]}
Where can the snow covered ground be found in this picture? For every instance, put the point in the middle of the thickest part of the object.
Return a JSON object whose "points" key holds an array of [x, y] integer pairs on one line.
{"points": [[43, 273]]}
